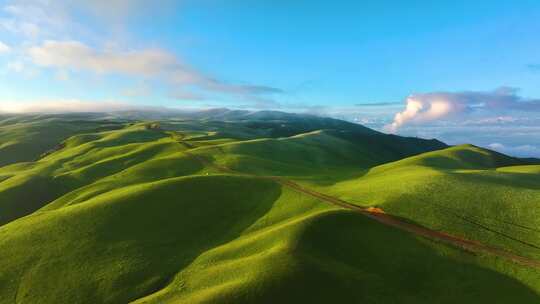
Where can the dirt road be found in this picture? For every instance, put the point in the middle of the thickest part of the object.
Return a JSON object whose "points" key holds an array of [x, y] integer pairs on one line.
{"points": [[386, 219], [389, 220]]}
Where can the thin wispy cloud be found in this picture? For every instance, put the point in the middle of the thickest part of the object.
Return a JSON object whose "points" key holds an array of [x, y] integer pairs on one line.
{"points": [[4, 48], [378, 104], [75, 55], [129, 50], [34, 19], [525, 150], [63, 106], [117, 11], [148, 63], [179, 94], [38, 18], [49, 27]]}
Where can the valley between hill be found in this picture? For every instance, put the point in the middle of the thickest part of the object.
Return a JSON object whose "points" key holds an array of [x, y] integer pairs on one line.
{"points": [[265, 207]]}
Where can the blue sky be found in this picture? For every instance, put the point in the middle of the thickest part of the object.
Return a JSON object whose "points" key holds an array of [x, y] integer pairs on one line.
{"points": [[438, 65]]}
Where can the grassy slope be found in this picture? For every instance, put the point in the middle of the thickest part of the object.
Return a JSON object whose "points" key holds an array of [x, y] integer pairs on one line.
{"points": [[152, 242], [463, 190], [96, 159], [25, 138], [126, 215], [86, 159], [316, 154]]}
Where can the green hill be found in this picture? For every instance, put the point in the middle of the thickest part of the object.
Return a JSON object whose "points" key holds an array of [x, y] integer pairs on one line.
{"points": [[186, 209], [27, 137], [464, 190], [316, 154], [107, 157], [153, 242]]}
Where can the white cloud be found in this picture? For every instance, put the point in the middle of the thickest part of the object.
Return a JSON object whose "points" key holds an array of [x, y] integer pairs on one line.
{"points": [[526, 150], [51, 18], [26, 70], [62, 75], [141, 90], [4, 48], [62, 106], [77, 56], [428, 107], [184, 95], [15, 66], [34, 18], [496, 146], [46, 30], [419, 110], [118, 10]]}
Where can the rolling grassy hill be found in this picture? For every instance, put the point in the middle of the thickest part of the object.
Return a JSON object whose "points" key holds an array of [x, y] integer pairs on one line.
{"points": [[464, 190], [156, 246], [180, 210], [27, 137], [106, 157]]}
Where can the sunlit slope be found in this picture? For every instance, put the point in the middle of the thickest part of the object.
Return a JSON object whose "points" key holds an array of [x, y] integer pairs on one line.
{"points": [[245, 125], [90, 163], [141, 214], [463, 190], [27, 137], [110, 159], [227, 239], [320, 153]]}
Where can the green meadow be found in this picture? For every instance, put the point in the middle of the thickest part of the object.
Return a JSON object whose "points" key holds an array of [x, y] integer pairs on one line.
{"points": [[99, 208]]}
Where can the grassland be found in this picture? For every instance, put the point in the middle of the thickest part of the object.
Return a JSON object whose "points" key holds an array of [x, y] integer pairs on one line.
{"points": [[463, 190], [176, 212], [28, 137]]}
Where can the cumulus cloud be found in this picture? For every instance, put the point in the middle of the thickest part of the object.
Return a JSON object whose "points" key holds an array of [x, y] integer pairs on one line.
{"points": [[429, 107]]}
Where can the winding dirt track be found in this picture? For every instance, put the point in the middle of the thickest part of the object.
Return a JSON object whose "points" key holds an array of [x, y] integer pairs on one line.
{"points": [[389, 220], [386, 219]]}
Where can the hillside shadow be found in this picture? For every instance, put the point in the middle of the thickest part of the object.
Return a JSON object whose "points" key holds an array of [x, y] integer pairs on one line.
{"points": [[36, 190], [347, 258], [131, 137], [330, 179], [169, 228]]}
